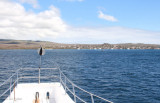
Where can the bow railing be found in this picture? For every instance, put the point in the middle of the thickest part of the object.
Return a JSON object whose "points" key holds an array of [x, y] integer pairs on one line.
{"points": [[29, 75]]}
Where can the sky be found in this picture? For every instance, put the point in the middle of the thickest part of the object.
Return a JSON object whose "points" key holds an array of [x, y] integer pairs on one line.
{"points": [[81, 21]]}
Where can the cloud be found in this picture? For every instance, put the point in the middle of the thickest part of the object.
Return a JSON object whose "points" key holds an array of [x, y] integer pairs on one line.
{"points": [[34, 3], [106, 17], [17, 23], [109, 35]]}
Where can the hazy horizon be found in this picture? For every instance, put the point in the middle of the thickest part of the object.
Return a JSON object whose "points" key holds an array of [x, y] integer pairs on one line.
{"points": [[74, 43]]}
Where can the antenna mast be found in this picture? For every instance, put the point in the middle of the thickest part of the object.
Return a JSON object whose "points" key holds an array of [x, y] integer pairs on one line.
{"points": [[40, 52]]}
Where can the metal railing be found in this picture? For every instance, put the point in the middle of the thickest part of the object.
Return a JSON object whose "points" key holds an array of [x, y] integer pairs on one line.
{"points": [[19, 75]]}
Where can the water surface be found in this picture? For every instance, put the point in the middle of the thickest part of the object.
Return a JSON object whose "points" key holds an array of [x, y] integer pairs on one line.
{"points": [[122, 76]]}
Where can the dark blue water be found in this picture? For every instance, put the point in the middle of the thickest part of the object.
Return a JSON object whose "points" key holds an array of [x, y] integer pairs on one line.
{"points": [[122, 76]]}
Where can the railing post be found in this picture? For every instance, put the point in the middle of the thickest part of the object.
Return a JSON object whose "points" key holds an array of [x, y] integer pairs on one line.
{"points": [[10, 86], [60, 77], [17, 77], [14, 92], [39, 81], [92, 98], [65, 84], [74, 93]]}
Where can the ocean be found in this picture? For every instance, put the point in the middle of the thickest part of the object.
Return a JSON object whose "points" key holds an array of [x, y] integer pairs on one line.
{"points": [[121, 76]]}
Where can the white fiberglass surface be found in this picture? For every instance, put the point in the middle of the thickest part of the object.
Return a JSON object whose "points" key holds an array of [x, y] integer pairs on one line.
{"points": [[26, 93]]}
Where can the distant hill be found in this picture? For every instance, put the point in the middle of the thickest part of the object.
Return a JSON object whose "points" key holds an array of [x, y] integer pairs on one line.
{"points": [[23, 44], [29, 44]]}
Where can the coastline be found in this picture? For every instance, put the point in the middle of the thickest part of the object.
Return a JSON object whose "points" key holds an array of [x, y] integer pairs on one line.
{"points": [[28, 44]]}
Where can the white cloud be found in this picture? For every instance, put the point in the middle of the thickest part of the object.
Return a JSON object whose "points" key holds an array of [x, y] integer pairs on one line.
{"points": [[17, 23], [106, 17], [109, 35], [34, 3]]}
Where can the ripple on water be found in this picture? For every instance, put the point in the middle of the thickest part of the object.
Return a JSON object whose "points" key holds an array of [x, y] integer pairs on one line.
{"points": [[130, 76]]}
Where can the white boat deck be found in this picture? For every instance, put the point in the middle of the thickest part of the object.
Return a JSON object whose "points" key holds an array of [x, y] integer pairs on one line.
{"points": [[25, 93]]}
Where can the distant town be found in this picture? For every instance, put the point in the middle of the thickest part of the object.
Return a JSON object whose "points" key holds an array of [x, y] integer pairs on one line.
{"points": [[29, 44]]}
